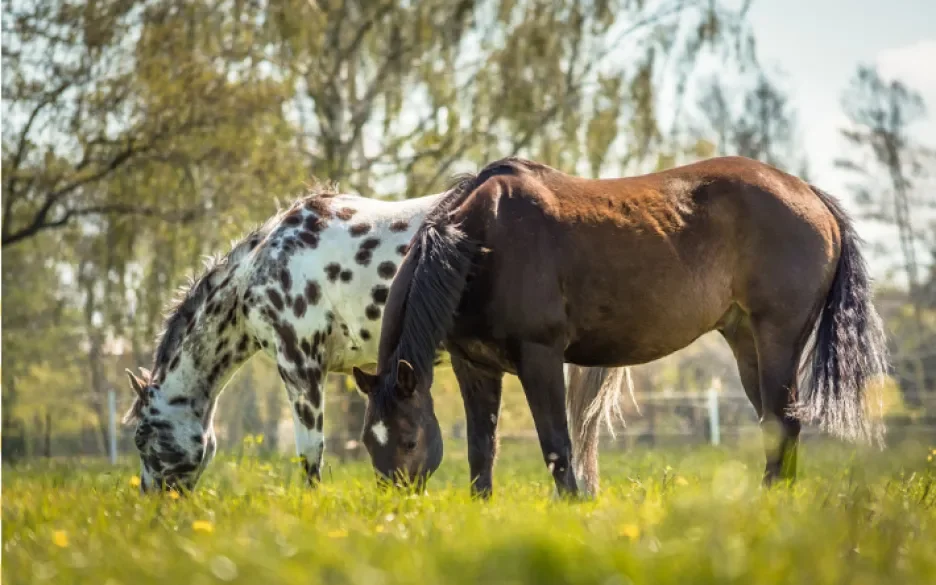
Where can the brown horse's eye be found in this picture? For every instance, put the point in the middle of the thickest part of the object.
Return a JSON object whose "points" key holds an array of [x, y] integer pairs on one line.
{"points": [[410, 445]]}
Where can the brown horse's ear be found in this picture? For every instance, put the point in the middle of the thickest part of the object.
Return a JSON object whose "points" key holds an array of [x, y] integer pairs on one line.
{"points": [[365, 382], [138, 386], [406, 378]]}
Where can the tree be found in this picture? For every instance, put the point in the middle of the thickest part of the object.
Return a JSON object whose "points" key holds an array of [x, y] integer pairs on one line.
{"points": [[880, 114], [761, 126], [99, 95], [138, 137], [39, 335], [128, 128], [390, 94]]}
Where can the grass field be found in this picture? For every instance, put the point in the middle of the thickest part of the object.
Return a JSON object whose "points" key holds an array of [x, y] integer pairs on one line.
{"points": [[676, 516]]}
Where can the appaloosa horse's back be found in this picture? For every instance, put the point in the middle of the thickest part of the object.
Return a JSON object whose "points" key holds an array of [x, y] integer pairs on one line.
{"points": [[523, 267], [308, 288]]}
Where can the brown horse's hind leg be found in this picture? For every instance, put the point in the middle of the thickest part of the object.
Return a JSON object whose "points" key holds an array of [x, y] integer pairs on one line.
{"points": [[539, 368], [740, 338], [777, 360]]}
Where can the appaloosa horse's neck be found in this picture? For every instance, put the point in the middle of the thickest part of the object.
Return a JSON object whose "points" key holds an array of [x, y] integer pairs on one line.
{"points": [[203, 343]]}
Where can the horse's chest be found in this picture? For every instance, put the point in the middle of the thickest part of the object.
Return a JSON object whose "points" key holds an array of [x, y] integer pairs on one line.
{"points": [[351, 342], [485, 354]]}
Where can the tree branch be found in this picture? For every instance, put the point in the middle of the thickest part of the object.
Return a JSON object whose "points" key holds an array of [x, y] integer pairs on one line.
{"points": [[115, 209], [40, 220]]}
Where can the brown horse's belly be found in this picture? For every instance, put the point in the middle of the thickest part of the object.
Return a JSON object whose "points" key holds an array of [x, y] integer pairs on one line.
{"points": [[631, 309], [628, 348]]}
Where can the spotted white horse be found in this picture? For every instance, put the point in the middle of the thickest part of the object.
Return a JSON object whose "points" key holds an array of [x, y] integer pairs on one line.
{"points": [[307, 287]]}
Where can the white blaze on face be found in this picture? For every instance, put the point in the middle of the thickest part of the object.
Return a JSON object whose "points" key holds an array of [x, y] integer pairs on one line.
{"points": [[380, 433]]}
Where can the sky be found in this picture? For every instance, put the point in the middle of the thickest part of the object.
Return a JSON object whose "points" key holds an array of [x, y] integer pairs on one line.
{"points": [[817, 46]]}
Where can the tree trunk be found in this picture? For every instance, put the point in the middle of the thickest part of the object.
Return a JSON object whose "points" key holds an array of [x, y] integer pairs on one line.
{"points": [[13, 446], [47, 450], [99, 387]]}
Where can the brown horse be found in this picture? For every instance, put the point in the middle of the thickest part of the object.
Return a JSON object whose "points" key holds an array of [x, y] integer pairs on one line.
{"points": [[522, 267]]}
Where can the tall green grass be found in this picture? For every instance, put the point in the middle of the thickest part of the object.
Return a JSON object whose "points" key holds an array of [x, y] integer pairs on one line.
{"points": [[682, 516]]}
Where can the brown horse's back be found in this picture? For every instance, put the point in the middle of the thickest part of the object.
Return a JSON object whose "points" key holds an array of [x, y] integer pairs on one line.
{"points": [[633, 269]]}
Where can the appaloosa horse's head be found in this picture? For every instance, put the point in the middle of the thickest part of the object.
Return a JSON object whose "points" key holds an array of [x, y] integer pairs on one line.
{"points": [[203, 343], [402, 435], [173, 435]]}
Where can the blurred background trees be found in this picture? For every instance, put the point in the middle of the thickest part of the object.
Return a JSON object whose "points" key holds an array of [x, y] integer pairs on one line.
{"points": [[891, 173], [139, 137]]}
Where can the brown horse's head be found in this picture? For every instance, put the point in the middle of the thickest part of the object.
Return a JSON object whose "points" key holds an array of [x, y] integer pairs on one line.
{"points": [[401, 432]]}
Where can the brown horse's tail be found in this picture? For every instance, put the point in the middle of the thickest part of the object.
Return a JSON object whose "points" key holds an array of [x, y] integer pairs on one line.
{"points": [[849, 348], [593, 395]]}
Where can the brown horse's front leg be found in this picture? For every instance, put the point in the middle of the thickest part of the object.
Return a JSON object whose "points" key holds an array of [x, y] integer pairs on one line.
{"points": [[481, 392], [539, 368]]}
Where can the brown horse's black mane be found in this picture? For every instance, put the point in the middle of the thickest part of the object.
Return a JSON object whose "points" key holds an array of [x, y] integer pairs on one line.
{"points": [[427, 290]]}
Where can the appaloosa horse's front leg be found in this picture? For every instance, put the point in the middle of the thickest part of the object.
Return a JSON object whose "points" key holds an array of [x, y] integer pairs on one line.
{"points": [[304, 390], [308, 414], [540, 369], [481, 393], [300, 362]]}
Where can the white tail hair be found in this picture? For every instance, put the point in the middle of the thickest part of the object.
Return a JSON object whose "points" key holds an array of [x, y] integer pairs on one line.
{"points": [[592, 397]]}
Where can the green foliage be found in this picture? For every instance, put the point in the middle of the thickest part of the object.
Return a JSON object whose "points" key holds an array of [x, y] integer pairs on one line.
{"points": [[667, 517]]}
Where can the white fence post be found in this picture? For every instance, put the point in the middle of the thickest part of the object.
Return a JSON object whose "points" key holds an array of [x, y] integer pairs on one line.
{"points": [[112, 425], [714, 427]]}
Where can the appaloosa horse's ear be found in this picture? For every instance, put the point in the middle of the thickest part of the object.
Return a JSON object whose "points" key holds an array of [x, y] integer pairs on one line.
{"points": [[406, 378], [365, 382], [137, 384]]}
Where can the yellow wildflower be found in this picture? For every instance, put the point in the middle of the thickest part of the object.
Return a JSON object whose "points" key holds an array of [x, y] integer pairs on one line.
{"points": [[338, 534], [929, 458], [259, 439], [631, 531], [60, 538], [681, 481], [135, 481], [173, 495], [379, 528], [203, 526]]}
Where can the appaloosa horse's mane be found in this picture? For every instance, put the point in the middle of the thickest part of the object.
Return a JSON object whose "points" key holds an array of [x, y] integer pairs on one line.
{"points": [[181, 313]]}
